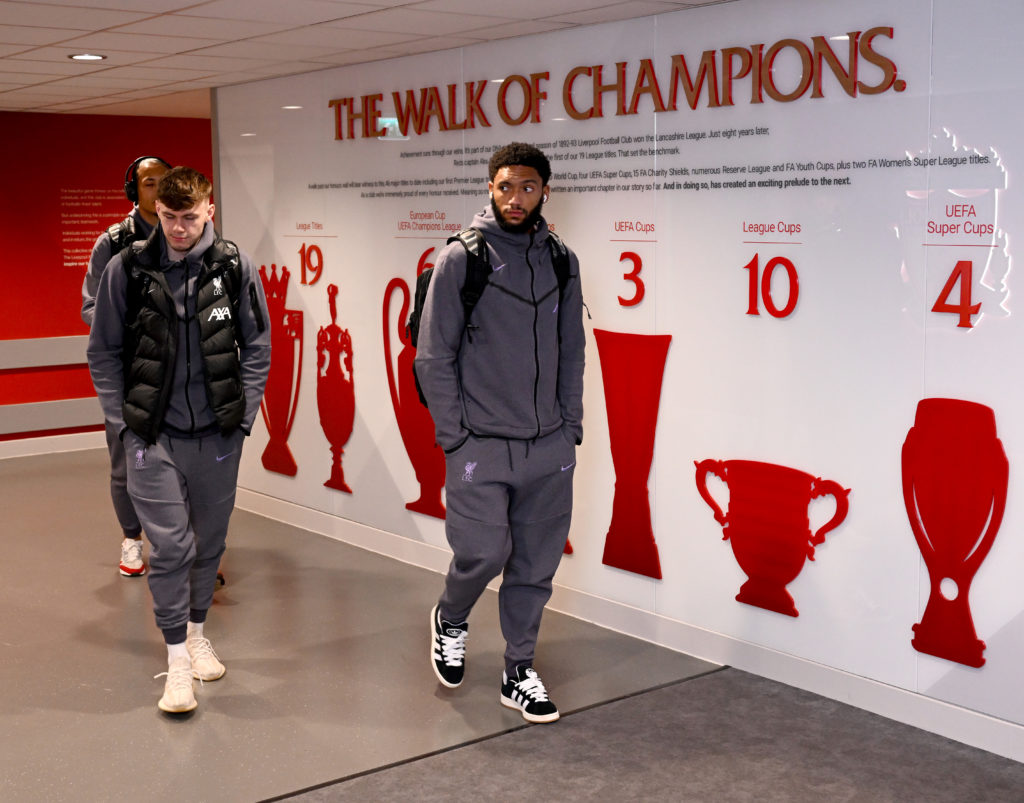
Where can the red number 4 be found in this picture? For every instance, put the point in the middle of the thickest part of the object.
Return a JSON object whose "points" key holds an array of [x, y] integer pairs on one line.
{"points": [[962, 273]]}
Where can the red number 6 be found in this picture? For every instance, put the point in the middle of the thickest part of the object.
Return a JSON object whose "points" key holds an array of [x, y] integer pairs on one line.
{"points": [[422, 265]]}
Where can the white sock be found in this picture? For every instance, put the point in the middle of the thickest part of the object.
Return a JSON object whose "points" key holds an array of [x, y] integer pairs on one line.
{"points": [[177, 651], [196, 629]]}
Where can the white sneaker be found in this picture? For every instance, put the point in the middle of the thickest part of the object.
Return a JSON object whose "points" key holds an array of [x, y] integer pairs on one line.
{"points": [[131, 558], [178, 694], [205, 663]]}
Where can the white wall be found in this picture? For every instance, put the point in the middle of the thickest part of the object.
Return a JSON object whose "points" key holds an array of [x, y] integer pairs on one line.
{"points": [[831, 389]]}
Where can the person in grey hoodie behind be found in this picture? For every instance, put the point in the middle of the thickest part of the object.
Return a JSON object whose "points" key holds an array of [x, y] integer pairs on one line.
{"points": [[179, 354], [505, 390], [140, 183]]}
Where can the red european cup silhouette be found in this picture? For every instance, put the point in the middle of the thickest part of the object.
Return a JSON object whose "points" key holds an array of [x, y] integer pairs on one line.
{"points": [[955, 477], [335, 391], [767, 524], [414, 422], [281, 397], [632, 367]]}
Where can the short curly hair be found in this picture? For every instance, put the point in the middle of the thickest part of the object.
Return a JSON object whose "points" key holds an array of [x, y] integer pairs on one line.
{"points": [[523, 155], [182, 188]]}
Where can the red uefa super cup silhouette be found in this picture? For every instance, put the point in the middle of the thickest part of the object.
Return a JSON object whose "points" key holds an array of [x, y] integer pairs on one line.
{"points": [[414, 422], [767, 524], [955, 476], [281, 397], [335, 389], [632, 366]]}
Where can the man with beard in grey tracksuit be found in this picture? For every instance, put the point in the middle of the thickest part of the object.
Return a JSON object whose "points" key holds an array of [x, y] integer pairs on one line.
{"points": [[505, 389], [179, 353]]}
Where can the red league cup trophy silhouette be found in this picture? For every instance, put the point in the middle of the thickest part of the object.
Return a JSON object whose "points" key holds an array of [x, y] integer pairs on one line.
{"points": [[414, 422], [281, 397], [335, 391], [632, 367], [955, 476], [767, 524]]}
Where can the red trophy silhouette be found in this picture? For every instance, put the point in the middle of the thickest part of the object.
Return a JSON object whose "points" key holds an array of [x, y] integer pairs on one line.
{"points": [[335, 393], [281, 397], [414, 422], [633, 366], [767, 524], [955, 476]]}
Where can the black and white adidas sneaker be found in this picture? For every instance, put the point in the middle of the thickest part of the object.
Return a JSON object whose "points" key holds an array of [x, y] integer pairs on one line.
{"points": [[525, 691], [448, 648]]}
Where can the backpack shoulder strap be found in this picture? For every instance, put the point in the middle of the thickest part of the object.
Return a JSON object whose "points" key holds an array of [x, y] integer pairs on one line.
{"points": [[478, 268], [559, 260], [137, 283], [122, 234], [223, 255]]}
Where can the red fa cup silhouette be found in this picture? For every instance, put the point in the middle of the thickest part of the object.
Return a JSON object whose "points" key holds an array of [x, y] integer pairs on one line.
{"points": [[414, 422], [632, 366], [955, 476], [767, 524], [335, 391], [281, 397]]}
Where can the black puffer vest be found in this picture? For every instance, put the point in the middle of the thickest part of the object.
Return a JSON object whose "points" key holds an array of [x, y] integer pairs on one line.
{"points": [[151, 337]]}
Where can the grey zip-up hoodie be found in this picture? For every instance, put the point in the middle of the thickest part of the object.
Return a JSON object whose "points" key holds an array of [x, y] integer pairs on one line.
{"points": [[516, 371], [188, 409]]}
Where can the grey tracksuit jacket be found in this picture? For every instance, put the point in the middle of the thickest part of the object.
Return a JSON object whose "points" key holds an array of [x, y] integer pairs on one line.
{"points": [[516, 371]]}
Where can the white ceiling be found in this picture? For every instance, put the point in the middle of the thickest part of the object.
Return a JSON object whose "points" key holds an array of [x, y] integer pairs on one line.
{"points": [[164, 56]]}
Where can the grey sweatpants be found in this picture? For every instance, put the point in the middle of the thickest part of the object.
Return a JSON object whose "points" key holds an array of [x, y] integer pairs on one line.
{"points": [[184, 492], [509, 508], [123, 508]]}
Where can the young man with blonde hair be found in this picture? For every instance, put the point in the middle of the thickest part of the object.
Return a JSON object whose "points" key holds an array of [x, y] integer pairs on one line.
{"points": [[140, 183]]}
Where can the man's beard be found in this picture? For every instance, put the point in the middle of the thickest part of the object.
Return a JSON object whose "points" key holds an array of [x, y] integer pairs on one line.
{"points": [[517, 228]]}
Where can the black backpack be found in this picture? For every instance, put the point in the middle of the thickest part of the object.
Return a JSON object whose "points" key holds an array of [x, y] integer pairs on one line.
{"points": [[478, 271]]}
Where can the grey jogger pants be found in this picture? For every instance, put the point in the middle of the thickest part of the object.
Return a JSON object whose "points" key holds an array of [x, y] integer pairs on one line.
{"points": [[123, 508], [184, 492], [509, 509]]}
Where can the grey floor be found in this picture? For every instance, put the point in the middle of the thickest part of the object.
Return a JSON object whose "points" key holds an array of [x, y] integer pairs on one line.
{"points": [[329, 695]]}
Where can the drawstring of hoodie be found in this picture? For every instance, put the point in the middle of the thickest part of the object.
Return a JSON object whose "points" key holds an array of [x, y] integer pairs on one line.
{"points": [[508, 449]]}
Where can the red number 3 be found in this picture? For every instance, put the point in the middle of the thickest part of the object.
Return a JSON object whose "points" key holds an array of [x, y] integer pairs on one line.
{"points": [[633, 276]]}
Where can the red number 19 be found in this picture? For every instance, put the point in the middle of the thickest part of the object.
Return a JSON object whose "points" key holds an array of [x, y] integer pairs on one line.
{"points": [[311, 259]]}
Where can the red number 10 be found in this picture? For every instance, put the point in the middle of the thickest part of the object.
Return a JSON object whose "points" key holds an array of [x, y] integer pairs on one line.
{"points": [[766, 287]]}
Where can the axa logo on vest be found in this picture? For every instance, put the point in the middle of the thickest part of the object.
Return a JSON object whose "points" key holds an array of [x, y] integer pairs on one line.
{"points": [[783, 72], [220, 314]]}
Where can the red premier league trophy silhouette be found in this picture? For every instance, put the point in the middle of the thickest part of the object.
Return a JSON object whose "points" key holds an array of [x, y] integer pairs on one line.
{"points": [[335, 393], [632, 366], [281, 397], [414, 422], [955, 477], [767, 524]]}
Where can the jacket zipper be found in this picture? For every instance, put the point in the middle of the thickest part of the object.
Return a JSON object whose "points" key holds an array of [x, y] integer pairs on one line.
{"points": [[170, 353], [536, 341], [188, 353]]}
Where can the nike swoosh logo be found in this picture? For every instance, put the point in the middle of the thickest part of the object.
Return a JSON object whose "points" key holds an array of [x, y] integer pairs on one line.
{"points": [[226, 456], [566, 468]]}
